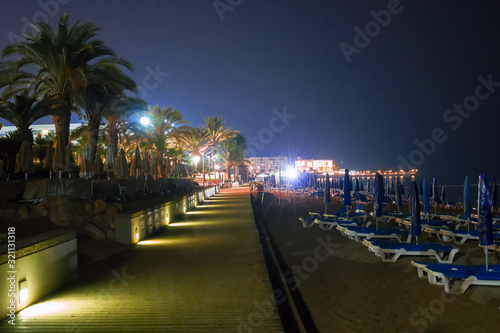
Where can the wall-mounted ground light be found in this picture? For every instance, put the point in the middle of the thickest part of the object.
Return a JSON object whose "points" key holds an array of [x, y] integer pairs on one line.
{"points": [[167, 219], [136, 234], [23, 291]]}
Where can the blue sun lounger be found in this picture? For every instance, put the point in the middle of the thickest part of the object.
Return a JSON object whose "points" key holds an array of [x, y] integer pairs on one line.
{"points": [[447, 274], [384, 250], [460, 236], [308, 221], [360, 233], [327, 222]]}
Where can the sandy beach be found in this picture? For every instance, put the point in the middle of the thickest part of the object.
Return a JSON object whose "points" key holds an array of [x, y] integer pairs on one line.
{"points": [[352, 290]]}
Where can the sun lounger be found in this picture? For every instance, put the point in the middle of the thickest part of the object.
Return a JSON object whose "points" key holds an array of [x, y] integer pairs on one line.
{"points": [[384, 250], [391, 216], [426, 224], [447, 274], [328, 222], [461, 236], [360, 233], [308, 221]]}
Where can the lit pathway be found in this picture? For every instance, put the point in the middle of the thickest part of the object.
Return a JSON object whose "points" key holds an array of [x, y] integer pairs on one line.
{"points": [[205, 274]]}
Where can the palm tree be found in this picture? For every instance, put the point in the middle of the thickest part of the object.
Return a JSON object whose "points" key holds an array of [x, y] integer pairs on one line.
{"points": [[99, 102], [164, 124], [193, 139], [232, 152], [63, 63], [23, 109], [218, 132]]}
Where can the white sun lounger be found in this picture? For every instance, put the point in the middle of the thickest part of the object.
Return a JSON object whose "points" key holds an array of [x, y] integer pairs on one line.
{"points": [[447, 274], [384, 250], [360, 233], [308, 222], [328, 222], [461, 236]]}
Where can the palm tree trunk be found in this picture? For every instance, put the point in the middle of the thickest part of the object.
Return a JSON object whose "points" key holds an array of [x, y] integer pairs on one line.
{"points": [[159, 159], [113, 133], [61, 123], [93, 137]]}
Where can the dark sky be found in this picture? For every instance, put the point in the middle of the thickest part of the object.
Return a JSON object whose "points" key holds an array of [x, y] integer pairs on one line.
{"points": [[286, 56]]}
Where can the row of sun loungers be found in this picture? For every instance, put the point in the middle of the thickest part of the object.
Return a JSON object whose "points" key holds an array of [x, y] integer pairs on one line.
{"points": [[391, 243]]}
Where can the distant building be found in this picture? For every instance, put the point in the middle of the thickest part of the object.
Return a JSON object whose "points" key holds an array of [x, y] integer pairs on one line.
{"points": [[42, 129], [266, 164], [315, 166]]}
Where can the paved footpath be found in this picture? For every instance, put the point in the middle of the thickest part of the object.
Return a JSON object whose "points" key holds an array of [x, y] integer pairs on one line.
{"points": [[206, 273]]}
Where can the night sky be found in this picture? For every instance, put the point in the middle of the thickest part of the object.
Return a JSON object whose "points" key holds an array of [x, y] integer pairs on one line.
{"points": [[366, 109]]}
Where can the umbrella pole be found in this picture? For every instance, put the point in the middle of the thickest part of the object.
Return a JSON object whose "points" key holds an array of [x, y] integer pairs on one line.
{"points": [[416, 240], [326, 208], [486, 256]]}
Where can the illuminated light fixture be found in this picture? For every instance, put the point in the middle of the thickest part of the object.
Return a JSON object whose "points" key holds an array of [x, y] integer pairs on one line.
{"points": [[196, 159], [167, 220], [291, 173], [45, 308], [23, 291], [184, 208], [45, 132], [136, 234], [145, 121]]}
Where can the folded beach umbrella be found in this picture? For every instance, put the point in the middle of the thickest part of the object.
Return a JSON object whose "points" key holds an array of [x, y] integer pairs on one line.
{"points": [[402, 189], [361, 187], [145, 166], [97, 167], [341, 184], [427, 198], [467, 201], [59, 163], [443, 194], [399, 200], [49, 155], [135, 168], [154, 166], [368, 186], [109, 163], [24, 159], [121, 165], [415, 229], [327, 192], [435, 194], [378, 196], [356, 186], [494, 197], [86, 162], [347, 189], [485, 218]]}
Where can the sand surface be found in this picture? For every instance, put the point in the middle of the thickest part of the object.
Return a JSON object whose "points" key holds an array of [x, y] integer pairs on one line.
{"points": [[352, 290]]}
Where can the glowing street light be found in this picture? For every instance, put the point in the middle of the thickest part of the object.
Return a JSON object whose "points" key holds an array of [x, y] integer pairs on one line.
{"points": [[145, 121], [195, 159], [291, 173]]}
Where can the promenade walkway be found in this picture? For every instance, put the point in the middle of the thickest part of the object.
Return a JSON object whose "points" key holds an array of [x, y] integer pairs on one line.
{"points": [[205, 273]]}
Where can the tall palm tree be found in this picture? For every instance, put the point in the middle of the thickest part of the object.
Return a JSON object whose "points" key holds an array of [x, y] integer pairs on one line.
{"points": [[99, 102], [232, 152], [63, 63], [218, 132], [193, 139], [25, 107], [164, 124]]}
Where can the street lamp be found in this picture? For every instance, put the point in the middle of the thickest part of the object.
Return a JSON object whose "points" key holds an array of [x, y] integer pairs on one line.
{"points": [[145, 121]]}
